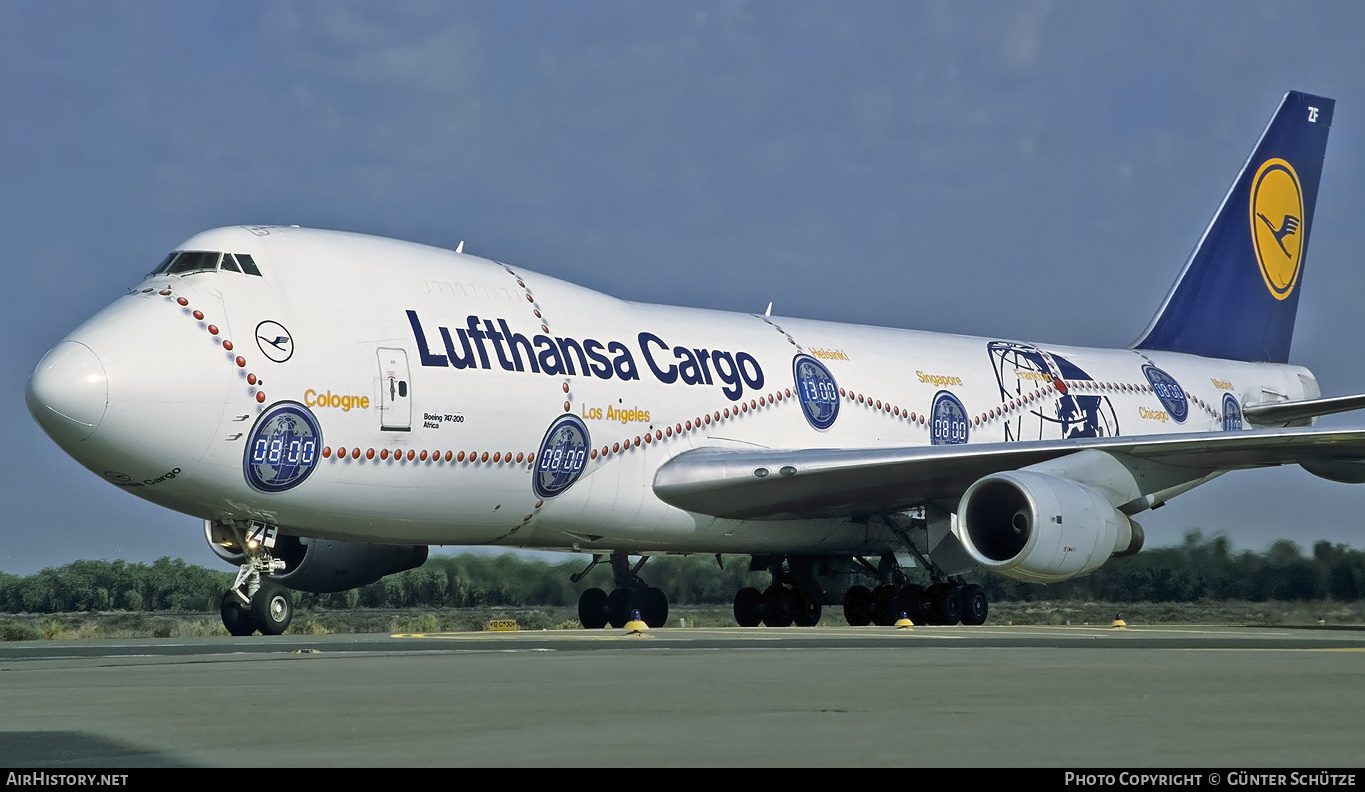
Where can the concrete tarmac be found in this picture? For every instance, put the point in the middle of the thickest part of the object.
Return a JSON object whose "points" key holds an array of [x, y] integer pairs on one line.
{"points": [[1066, 697]]}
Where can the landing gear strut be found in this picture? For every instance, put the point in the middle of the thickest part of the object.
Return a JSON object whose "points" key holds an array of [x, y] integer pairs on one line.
{"points": [[597, 608]]}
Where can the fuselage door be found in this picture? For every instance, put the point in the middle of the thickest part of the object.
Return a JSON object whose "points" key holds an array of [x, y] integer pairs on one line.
{"points": [[395, 393]]}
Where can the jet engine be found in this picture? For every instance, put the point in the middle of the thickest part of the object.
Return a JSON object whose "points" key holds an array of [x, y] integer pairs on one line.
{"points": [[323, 565], [1038, 528], [1345, 471]]}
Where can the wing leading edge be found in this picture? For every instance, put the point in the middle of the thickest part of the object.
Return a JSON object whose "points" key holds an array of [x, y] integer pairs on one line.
{"points": [[828, 482]]}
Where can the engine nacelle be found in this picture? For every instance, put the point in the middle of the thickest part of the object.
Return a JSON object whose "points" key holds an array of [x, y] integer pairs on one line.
{"points": [[1344, 471], [323, 565], [1042, 529]]}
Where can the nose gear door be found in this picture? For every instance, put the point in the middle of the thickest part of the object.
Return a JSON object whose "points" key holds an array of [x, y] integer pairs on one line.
{"points": [[395, 394]]}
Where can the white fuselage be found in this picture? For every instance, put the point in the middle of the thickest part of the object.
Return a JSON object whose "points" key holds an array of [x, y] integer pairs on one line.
{"points": [[367, 322]]}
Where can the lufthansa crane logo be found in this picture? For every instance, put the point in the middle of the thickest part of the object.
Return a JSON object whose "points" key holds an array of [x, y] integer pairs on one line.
{"points": [[1277, 225], [274, 341]]}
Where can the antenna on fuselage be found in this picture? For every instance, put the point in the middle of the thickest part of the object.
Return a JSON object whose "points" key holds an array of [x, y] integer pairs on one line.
{"points": [[769, 312], [460, 247]]}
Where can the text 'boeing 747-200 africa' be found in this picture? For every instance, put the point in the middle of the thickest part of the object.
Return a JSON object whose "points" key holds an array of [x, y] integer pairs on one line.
{"points": [[331, 404]]}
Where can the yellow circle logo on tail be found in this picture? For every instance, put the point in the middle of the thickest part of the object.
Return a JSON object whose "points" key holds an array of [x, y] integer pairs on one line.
{"points": [[1277, 225]]}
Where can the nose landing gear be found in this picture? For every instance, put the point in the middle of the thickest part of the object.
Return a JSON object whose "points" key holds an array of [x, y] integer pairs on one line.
{"points": [[255, 602]]}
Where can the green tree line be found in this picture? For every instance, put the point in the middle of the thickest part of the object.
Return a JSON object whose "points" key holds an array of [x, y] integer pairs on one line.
{"points": [[1203, 568], [167, 584], [1200, 568]]}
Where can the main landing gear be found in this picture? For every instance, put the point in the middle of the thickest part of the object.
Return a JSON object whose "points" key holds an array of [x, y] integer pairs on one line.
{"points": [[597, 608], [946, 602], [796, 595], [255, 602], [793, 598]]}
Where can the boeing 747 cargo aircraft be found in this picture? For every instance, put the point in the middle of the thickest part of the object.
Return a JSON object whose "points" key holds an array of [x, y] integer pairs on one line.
{"points": [[331, 404]]}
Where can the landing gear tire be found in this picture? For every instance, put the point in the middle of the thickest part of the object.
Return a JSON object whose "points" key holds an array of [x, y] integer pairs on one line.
{"points": [[777, 607], [925, 609], [909, 601], [271, 608], [975, 607], [618, 607], [749, 607], [592, 609], [653, 605], [945, 604], [806, 609], [883, 597], [858, 606], [929, 603], [236, 616]]}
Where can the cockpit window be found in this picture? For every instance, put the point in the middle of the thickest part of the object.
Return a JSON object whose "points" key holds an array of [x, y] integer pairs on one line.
{"points": [[248, 264], [184, 262], [165, 263], [187, 261]]}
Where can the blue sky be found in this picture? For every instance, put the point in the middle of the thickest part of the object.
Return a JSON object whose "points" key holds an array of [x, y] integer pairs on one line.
{"points": [[1023, 170]]}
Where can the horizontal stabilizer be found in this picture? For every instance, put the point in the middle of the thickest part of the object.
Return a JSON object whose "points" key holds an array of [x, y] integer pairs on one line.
{"points": [[1283, 412]]}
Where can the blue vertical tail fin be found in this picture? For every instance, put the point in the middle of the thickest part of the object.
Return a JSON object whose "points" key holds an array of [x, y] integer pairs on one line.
{"points": [[1239, 291]]}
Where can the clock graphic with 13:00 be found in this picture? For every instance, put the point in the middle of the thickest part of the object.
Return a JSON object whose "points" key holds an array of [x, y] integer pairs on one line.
{"points": [[283, 448], [816, 389]]}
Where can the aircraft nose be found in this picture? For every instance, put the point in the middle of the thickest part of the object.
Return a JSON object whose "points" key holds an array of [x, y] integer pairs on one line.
{"points": [[68, 392]]}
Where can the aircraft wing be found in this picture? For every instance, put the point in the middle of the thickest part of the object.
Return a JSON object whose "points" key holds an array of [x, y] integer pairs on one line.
{"points": [[827, 482]]}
